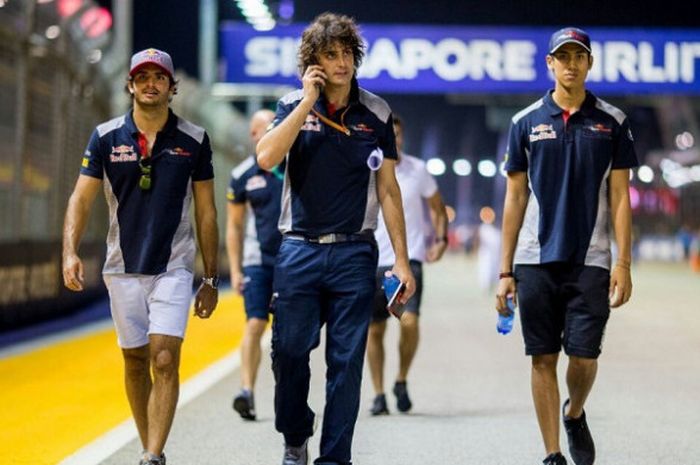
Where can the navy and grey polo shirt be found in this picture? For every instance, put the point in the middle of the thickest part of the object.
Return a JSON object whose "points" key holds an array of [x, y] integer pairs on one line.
{"points": [[328, 185], [149, 230], [568, 160], [261, 191]]}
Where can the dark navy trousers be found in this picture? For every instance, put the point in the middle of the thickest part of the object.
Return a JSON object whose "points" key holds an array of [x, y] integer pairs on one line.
{"points": [[317, 284]]}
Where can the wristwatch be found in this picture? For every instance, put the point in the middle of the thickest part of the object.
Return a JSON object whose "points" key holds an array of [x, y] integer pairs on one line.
{"points": [[212, 281]]}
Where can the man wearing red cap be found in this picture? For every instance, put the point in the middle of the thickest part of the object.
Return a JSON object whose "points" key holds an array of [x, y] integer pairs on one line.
{"points": [[153, 164], [568, 161]]}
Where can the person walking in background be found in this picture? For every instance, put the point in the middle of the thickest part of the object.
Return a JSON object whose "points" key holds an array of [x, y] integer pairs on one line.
{"points": [[252, 242], [488, 250], [568, 161], [153, 164], [418, 188], [338, 141]]}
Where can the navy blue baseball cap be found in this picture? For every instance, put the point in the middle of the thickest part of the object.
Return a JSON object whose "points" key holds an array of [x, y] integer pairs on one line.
{"points": [[152, 56], [569, 35]]}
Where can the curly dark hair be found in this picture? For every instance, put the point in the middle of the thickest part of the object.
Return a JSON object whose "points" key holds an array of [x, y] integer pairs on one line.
{"points": [[322, 32]]}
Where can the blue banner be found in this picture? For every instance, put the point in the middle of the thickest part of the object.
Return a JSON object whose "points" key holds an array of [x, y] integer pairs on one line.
{"points": [[449, 59]]}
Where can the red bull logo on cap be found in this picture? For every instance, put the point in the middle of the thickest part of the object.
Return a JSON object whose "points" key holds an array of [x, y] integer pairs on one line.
{"points": [[152, 56]]}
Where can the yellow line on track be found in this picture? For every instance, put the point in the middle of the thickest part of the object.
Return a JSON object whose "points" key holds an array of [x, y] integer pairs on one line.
{"points": [[59, 398]]}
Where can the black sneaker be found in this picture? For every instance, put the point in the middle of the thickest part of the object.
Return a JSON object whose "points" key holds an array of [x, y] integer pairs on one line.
{"points": [[403, 402], [244, 404], [581, 445], [554, 459], [379, 406], [296, 455], [149, 459]]}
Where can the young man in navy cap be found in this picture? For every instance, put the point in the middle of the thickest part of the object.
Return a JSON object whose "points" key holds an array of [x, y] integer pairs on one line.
{"points": [[568, 161], [153, 164], [252, 242], [338, 142]]}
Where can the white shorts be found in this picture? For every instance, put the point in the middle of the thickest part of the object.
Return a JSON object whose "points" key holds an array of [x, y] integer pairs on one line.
{"points": [[149, 304]]}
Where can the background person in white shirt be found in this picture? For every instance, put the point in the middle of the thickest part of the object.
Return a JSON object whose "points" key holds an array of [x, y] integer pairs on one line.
{"points": [[418, 190]]}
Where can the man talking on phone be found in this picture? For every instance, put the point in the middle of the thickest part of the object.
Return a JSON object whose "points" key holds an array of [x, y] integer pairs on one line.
{"points": [[340, 151]]}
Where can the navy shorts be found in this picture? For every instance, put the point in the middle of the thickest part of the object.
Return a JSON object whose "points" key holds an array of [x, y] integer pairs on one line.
{"points": [[257, 291], [380, 313], [563, 305]]}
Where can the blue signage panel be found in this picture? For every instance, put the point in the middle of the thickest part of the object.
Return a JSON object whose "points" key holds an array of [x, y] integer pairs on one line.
{"points": [[435, 59]]}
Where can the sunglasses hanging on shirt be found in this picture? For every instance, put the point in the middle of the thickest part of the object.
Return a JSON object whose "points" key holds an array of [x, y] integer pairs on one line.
{"points": [[145, 180]]}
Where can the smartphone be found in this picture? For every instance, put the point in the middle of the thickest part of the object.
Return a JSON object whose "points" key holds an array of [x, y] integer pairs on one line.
{"points": [[394, 306]]}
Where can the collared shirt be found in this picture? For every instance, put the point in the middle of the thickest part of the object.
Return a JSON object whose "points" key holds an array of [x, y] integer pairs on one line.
{"points": [[417, 185], [568, 160], [149, 230], [329, 186], [260, 191]]}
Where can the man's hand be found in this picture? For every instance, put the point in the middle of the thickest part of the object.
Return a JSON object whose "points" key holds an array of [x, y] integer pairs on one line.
{"points": [[314, 80], [205, 301], [620, 286], [237, 281], [506, 287], [405, 275], [73, 274], [434, 253]]}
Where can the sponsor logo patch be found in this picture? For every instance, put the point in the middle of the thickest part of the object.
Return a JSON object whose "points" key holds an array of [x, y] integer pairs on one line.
{"points": [[599, 128], [179, 152], [86, 162], [311, 123], [255, 182], [542, 132], [123, 153], [360, 127]]}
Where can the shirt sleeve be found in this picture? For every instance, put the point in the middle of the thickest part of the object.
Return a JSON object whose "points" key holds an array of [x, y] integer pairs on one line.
{"points": [[93, 164], [204, 168], [428, 185], [625, 156], [283, 110], [236, 190], [515, 157], [387, 140]]}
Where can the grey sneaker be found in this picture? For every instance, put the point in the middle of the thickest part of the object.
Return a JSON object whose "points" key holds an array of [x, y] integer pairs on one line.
{"points": [[296, 455], [244, 404], [150, 459], [581, 446], [554, 459]]}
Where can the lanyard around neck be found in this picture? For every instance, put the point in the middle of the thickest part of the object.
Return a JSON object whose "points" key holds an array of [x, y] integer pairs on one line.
{"points": [[331, 123]]}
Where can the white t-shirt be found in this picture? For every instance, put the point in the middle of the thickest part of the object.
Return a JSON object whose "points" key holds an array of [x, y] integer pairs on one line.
{"points": [[416, 186]]}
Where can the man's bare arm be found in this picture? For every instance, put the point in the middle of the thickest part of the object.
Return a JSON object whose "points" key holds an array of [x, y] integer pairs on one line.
{"points": [[77, 215]]}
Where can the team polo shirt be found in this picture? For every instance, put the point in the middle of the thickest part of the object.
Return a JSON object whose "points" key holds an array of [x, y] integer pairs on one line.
{"points": [[260, 191], [329, 186], [150, 231], [568, 160], [417, 185]]}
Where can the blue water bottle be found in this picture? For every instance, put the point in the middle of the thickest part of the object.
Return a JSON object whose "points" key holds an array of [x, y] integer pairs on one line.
{"points": [[505, 323]]}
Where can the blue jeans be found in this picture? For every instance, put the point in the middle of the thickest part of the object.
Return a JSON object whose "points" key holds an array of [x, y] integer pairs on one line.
{"points": [[317, 284]]}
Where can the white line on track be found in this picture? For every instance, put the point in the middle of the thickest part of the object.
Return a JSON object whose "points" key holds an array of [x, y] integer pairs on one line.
{"points": [[109, 443]]}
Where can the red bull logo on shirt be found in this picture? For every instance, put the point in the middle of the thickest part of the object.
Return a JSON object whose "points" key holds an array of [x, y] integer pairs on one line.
{"points": [[123, 153], [311, 124], [542, 132], [255, 182]]}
